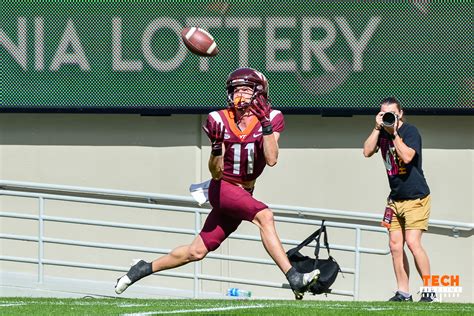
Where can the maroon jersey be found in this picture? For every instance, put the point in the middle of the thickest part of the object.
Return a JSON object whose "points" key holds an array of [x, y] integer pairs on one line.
{"points": [[243, 158]]}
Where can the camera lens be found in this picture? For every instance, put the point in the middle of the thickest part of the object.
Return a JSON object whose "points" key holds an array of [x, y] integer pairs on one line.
{"points": [[388, 119]]}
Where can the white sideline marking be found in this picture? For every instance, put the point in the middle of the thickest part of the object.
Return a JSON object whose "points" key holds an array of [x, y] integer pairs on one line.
{"points": [[200, 310], [132, 305], [11, 304]]}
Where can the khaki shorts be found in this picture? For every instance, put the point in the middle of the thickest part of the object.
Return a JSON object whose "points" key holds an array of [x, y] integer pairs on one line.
{"points": [[410, 214]]}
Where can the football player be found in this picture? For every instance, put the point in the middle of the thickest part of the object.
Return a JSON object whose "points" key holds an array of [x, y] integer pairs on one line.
{"points": [[244, 139]]}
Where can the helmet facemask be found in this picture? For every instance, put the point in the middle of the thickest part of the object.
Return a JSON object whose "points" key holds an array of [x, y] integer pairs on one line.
{"points": [[247, 77], [243, 101]]}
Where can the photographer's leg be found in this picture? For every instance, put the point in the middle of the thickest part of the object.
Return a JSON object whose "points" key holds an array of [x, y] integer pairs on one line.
{"points": [[413, 239], [399, 259], [417, 216]]}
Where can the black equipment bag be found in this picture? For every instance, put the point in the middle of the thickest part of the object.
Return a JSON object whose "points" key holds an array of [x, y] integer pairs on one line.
{"points": [[328, 268]]}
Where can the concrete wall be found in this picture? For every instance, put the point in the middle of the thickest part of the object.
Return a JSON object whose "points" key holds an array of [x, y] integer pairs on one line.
{"points": [[320, 165]]}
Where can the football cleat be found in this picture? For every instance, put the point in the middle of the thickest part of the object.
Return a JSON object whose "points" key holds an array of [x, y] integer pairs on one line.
{"points": [[137, 271], [301, 282], [122, 284]]}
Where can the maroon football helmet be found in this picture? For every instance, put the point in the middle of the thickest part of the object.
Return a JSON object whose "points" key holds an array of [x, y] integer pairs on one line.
{"points": [[246, 77]]}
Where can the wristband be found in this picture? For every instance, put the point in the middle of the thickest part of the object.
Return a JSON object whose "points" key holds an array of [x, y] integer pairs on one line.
{"points": [[267, 127], [216, 149], [267, 130]]}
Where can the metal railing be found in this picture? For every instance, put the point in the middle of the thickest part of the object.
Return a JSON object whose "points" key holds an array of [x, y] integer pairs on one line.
{"points": [[173, 203]]}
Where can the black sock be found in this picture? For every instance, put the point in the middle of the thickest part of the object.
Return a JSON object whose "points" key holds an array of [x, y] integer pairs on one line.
{"points": [[291, 271], [291, 275], [139, 271]]}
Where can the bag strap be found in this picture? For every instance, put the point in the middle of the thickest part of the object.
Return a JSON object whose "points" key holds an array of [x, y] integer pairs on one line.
{"points": [[326, 244], [305, 242]]}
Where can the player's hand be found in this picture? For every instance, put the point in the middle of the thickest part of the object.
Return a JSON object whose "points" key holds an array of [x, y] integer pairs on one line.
{"points": [[378, 121], [215, 131], [261, 108]]}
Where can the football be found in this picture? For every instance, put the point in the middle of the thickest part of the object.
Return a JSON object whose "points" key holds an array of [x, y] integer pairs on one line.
{"points": [[199, 41]]}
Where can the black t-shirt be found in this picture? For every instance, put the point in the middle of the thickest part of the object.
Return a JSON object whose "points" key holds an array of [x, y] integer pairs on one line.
{"points": [[407, 182]]}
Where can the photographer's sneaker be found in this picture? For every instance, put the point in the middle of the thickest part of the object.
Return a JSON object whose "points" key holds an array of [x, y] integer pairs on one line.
{"points": [[139, 269], [301, 282], [399, 297]]}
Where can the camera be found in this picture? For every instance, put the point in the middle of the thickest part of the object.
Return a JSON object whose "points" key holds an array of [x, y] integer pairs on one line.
{"points": [[389, 118]]}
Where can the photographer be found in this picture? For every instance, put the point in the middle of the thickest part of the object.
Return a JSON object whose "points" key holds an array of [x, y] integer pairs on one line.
{"points": [[409, 202]]}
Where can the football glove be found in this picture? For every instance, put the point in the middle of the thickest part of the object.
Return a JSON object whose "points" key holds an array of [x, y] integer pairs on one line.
{"points": [[215, 131], [261, 108]]}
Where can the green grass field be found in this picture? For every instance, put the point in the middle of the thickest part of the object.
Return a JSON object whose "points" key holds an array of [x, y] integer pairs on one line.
{"points": [[112, 306]]}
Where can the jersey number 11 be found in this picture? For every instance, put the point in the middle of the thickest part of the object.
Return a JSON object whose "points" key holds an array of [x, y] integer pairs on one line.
{"points": [[250, 148]]}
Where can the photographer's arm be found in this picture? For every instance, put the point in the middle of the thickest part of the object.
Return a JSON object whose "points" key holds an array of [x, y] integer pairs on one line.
{"points": [[404, 152], [370, 145]]}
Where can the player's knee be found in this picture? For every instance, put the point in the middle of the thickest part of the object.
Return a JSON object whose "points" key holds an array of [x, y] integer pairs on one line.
{"points": [[196, 254]]}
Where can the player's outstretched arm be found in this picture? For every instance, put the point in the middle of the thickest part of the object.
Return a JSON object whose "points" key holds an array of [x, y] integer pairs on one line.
{"points": [[216, 166], [261, 108], [270, 148], [215, 131]]}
